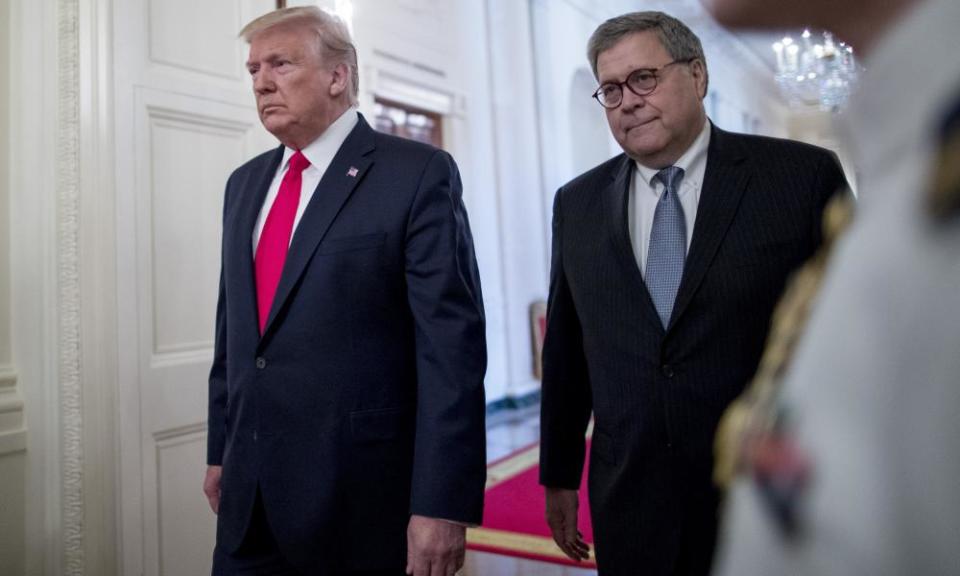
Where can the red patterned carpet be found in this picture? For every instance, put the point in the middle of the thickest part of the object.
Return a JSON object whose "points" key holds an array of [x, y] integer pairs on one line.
{"points": [[513, 519]]}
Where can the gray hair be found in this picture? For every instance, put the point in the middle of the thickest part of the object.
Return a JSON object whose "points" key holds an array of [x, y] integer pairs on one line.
{"points": [[678, 40], [335, 42]]}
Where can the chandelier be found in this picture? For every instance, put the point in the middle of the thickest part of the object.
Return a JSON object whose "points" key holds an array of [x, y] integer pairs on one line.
{"points": [[815, 73]]}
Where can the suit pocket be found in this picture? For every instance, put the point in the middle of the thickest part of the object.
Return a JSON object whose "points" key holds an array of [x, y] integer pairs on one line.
{"points": [[381, 424], [351, 243]]}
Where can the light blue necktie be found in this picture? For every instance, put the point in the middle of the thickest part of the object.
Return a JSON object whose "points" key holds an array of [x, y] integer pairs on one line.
{"points": [[668, 245]]}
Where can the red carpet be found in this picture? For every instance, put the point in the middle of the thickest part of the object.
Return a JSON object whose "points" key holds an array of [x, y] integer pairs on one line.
{"points": [[513, 519]]}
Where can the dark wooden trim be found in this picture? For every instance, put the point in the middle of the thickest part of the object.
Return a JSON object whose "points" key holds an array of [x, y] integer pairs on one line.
{"points": [[436, 134]]}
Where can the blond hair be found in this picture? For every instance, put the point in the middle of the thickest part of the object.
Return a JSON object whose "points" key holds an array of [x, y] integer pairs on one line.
{"points": [[335, 42]]}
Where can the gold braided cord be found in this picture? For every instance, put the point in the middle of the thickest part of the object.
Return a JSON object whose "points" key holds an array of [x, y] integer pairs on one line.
{"points": [[755, 412], [944, 198]]}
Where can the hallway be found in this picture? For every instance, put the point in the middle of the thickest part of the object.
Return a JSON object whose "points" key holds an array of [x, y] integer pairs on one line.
{"points": [[121, 123]]}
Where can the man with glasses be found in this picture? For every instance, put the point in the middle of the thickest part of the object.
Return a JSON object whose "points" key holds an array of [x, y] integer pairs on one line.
{"points": [[667, 262]]}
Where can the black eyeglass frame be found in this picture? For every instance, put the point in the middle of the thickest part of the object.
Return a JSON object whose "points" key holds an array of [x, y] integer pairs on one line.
{"points": [[626, 83]]}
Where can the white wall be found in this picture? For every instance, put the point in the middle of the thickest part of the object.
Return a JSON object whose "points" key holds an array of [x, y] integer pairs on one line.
{"points": [[32, 176], [5, 352], [560, 33], [474, 143], [820, 128], [742, 95], [523, 233], [471, 61], [12, 458]]}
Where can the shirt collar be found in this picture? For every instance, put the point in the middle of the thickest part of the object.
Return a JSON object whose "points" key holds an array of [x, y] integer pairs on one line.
{"points": [[693, 162], [321, 151]]}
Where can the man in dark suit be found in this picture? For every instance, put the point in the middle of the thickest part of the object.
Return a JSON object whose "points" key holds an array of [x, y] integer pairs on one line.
{"points": [[346, 409], [667, 262]]}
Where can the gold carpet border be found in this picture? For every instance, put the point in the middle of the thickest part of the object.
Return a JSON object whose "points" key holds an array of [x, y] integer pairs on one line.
{"points": [[516, 542], [518, 463], [512, 466]]}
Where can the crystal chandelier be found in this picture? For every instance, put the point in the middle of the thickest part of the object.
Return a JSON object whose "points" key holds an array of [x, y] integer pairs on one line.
{"points": [[815, 74]]}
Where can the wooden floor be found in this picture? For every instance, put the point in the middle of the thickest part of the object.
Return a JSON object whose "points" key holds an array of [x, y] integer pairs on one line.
{"points": [[508, 431]]}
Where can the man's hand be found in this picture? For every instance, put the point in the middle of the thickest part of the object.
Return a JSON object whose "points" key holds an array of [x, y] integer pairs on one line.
{"points": [[562, 505], [434, 547], [211, 487]]}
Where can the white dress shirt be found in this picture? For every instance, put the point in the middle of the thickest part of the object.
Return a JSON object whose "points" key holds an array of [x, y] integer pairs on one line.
{"points": [[645, 193], [320, 153]]}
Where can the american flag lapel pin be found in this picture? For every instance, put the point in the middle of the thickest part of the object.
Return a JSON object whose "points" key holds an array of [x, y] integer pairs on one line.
{"points": [[352, 172]]}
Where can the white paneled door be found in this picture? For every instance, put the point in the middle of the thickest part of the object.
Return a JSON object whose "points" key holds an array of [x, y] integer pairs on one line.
{"points": [[184, 119]]}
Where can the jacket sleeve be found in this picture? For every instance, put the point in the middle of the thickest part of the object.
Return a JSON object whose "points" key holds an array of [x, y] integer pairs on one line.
{"points": [[443, 288], [565, 403], [217, 381]]}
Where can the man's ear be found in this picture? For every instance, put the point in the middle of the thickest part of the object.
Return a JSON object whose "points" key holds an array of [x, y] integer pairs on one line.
{"points": [[339, 80], [699, 73]]}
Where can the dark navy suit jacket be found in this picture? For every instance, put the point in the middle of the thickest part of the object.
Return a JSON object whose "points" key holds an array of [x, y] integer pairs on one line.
{"points": [[363, 402], [656, 394]]}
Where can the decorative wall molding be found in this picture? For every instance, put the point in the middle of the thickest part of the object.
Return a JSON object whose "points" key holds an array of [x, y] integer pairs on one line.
{"points": [[8, 380], [13, 436], [169, 122], [68, 284], [184, 119], [394, 87], [179, 454], [13, 442], [192, 353], [190, 52], [188, 433], [428, 68]]}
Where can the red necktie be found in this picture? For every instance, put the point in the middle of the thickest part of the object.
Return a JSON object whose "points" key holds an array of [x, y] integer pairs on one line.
{"points": [[275, 237]]}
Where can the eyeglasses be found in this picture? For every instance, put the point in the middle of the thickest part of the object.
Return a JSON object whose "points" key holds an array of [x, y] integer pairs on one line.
{"points": [[641, 82]]}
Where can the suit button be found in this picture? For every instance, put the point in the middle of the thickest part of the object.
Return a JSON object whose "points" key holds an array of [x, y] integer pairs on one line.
{"points": [[261, 363], [667, 370]]}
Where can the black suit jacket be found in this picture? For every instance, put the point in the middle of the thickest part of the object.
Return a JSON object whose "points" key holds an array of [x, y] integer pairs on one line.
{"points": [[362, 403], [656, 394]]}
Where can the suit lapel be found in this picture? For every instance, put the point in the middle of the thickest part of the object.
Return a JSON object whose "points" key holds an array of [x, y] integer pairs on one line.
{"points": [[252, 203], [615, 206], [725, 179], [347, 169]]}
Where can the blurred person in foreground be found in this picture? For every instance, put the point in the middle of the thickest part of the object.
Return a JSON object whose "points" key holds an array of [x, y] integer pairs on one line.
{"points": [[843, 456], [667, 262], [346, 415]]}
